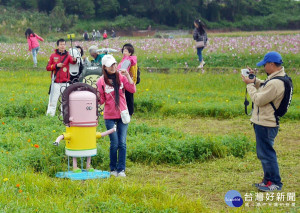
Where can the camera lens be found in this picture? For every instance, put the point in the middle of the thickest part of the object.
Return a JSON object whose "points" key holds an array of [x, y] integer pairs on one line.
{"points": [[251, 76]]}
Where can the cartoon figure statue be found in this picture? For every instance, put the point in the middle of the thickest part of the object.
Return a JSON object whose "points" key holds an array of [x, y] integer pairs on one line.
{"points": [[80, 115]]}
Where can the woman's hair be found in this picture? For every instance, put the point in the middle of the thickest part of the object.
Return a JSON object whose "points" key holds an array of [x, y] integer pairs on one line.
{"points": [[81, 50], [129, 47], [28, 32], [116, 80], [200, 26]]}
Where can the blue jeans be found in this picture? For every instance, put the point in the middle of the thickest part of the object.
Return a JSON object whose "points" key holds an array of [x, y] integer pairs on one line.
{"points": [[34, 53], [266, 154], [199, 53], [117, 144]]}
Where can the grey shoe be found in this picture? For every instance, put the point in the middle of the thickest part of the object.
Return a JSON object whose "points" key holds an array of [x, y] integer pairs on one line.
{"points": [[259, 184], [270, 187]]}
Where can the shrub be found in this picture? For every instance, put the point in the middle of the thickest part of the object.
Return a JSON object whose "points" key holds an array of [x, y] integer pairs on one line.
{"points": [[162, 145]]}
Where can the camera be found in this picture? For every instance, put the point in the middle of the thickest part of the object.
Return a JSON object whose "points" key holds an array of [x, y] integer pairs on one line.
{"points": [[246, 73]]}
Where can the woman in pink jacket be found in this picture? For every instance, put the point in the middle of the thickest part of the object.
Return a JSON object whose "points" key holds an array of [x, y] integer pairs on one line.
{"points": [[33, 43], [112, 85]]}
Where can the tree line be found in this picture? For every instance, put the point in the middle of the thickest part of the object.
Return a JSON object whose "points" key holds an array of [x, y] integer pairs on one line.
{"points": [[175, 13]]}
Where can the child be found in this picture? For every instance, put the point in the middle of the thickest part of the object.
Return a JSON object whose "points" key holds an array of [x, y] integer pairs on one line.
{"points": [[128, 51], [33, 44]]}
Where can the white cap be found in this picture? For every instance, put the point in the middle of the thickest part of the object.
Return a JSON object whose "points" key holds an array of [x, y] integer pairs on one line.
{"points": [[108, 60]]}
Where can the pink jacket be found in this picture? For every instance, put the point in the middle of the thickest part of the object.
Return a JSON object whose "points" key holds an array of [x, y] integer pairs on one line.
{"points": [[132, 59], [33, 41], [107, 97]]}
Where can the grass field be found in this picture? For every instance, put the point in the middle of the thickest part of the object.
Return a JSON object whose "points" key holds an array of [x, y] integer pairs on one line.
{"points": [[188, 144]]}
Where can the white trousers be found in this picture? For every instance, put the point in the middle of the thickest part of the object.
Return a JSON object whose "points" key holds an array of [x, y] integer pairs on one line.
{"points": [[56, 90]]}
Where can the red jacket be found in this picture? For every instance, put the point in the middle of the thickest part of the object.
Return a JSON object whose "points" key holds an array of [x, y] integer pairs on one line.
{"points": [[62, 74], [33, 41]]}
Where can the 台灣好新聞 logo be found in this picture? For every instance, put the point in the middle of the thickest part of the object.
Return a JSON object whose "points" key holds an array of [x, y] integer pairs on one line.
{"points": [[233, 198]]}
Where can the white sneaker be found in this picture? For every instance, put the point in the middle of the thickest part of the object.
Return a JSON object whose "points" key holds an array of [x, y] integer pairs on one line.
{"points": [[201, 64], [114, 173], [122, 174]]}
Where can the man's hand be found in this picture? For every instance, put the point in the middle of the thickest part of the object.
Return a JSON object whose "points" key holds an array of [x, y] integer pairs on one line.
{"points": [[247, 80], [60, 65], [250, 69], [74, 59]]}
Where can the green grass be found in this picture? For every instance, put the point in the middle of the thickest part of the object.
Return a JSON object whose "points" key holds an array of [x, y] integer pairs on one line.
{"points": [[189, 141], [42, 194], [181, 95], [199, 95], [182, 157]]}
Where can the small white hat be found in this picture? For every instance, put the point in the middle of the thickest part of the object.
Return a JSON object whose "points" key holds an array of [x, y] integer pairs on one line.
{"points": [[108, 60]]}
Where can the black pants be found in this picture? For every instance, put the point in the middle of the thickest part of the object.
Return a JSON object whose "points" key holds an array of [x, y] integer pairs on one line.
{"points": [[130, 101]]}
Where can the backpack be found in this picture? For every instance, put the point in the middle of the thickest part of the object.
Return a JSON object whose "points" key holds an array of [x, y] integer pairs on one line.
{"points": [[138, 78], [135, 73], [287, 98]]}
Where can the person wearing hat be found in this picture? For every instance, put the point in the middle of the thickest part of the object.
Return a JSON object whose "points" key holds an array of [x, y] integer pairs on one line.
{"points": [[112, 85], [97, 57], [263, 119]]}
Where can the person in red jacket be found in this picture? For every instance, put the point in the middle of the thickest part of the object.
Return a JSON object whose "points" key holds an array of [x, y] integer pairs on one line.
{"points": [[59, 66], [33, 44], [104, 35]]}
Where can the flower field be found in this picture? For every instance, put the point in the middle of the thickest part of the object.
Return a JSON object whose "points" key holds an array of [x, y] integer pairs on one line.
{"points": [[189, 141], [221, 51]]}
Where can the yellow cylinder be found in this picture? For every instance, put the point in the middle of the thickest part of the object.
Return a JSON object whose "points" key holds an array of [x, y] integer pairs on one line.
{"points": [[80, 141]]}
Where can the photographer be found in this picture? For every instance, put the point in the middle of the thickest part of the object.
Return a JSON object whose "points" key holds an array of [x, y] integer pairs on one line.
{"points": [[262, 94]]}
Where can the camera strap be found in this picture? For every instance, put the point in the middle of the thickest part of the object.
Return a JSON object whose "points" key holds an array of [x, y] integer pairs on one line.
{"points": [[246, 103]]}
